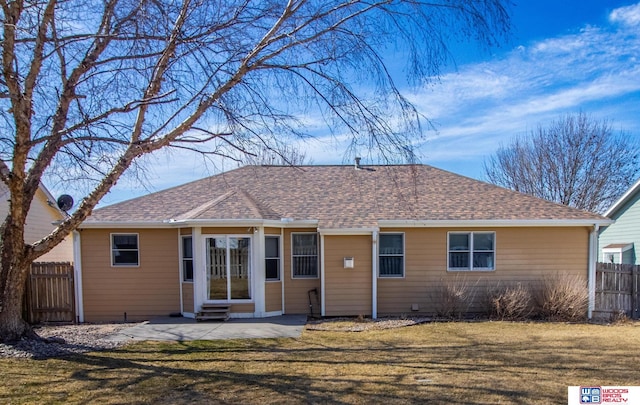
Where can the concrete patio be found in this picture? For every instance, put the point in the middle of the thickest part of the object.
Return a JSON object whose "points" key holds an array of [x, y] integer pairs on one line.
{"points": [[184, 329]]}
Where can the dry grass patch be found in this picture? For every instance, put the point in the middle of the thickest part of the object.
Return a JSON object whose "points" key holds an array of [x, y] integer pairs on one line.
{"points": [[480, 362]]}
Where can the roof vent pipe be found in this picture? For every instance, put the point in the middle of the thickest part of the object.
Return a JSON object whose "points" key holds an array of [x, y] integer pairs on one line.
{"points": [[357, 166]]}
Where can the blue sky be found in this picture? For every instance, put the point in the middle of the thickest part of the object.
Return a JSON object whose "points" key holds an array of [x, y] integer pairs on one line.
{"points": [[562, 57]]}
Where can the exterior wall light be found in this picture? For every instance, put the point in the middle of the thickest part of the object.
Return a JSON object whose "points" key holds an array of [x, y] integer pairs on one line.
{"points": [[348, 262]]}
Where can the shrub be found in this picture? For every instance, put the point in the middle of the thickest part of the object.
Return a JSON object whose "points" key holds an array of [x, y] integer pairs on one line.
{"points": [[562, 297], [453, 298], [509, 302]]}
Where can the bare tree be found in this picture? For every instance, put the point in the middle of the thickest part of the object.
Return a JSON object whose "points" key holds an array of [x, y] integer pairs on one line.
{"points": [[576, 161], [88, 87]]}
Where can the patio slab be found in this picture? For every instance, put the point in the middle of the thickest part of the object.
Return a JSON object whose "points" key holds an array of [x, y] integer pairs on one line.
{"points": [[184, 329]]}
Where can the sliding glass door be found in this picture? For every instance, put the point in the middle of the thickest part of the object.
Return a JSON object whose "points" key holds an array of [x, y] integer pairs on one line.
{"points": [[228, 268]]}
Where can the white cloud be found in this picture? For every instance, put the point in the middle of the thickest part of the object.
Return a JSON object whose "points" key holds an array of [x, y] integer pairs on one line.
{"points": [[629, 15], [482, 105]]}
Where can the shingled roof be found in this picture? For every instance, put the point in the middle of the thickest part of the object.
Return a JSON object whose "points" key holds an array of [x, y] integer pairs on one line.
{"points": [[338, 197]]}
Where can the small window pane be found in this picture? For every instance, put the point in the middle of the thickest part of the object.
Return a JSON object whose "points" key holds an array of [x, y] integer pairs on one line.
{"points": [[482, 241], [305, 244], [391, 244], [272, 269], [458, 241], [483, 260], [125, 241], [125, 257], [187, 267], [271, 246], [458, 260], [391, 265], [187, 247]]}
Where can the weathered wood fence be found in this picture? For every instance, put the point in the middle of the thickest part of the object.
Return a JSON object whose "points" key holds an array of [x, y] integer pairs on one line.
{"points": [[617, 290], [50, 294]]}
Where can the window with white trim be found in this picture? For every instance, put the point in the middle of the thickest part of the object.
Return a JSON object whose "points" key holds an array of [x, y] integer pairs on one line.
{"points": [[471, 251], [272, 258], [391, 255], [124, 249], [304, 255], [187, 258]]}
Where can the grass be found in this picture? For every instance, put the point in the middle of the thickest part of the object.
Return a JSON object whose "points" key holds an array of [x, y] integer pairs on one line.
{"points": [[470, 363]]}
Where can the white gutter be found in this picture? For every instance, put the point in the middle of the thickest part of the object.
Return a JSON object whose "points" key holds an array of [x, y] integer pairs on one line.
{"points": [[171, 223], [502, 223], [322, 281], [77, 265], [347, 231], [374, 274], [593, 258]]}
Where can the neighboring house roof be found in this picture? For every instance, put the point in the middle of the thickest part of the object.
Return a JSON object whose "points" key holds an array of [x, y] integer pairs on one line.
{"points": [[339, 197], [628, 195]]}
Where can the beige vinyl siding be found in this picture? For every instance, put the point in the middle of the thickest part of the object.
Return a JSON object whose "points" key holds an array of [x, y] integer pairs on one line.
{"points": [[186, 231], [242, 308], [296, 290], [347, 291], [187, 297], [39, 224], [243, 230], [522, 255], [272, 231], [143, 292], [273, 296]]}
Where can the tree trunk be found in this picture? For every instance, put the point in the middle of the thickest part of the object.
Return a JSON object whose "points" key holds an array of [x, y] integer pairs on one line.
{"points": [[12, 325], [14, 269]]}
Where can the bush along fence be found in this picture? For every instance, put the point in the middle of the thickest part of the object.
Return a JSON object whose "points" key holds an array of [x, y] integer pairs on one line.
{"points": [[50, 294], [617, 291]]}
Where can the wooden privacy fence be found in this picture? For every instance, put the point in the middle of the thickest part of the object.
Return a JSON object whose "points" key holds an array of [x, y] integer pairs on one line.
{"points": [[50, 294], [617, 290]]}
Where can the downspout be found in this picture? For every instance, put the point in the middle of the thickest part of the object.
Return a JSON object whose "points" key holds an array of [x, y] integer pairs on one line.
{"points": [[181, 269], [281, 269], [374, 274], [77, 265], [322, 295], [593, 255]]}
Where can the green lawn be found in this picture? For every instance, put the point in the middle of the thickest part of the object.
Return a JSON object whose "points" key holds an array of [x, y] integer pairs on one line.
{"points": [[470, 363]]}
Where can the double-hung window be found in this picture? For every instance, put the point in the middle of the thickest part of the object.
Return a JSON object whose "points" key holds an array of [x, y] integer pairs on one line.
{"points": [[124, 249], [391, 255], [471, 251], [272, 258], [187, 258], [304, 255]]}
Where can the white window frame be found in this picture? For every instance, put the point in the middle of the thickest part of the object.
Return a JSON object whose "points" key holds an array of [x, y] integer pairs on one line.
{"points": [[137, 250], [403, 255], [471, 251], [278, 258], [182, 258], [293, 276]]}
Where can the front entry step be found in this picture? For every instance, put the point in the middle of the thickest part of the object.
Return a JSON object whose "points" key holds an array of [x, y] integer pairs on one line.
{"points": [[213, 312]]}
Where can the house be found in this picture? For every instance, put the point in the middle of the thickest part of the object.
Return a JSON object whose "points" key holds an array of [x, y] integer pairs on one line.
{"points": [[43, 215], [618, 242], [369, 241]]}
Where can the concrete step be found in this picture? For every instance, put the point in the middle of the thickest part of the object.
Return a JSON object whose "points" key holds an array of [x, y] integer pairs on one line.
{"points": [[213, 312]]}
